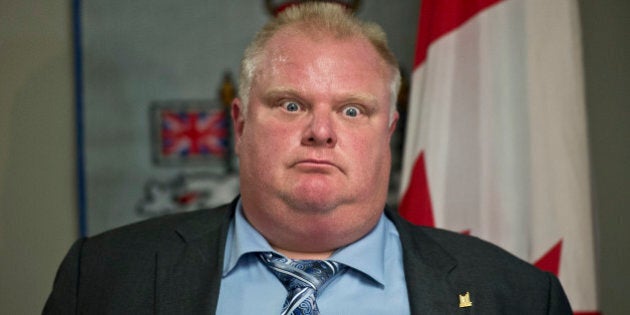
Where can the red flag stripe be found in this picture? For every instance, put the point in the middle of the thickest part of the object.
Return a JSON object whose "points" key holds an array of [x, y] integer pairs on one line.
{"points": [[438, 17], [415, 205]]}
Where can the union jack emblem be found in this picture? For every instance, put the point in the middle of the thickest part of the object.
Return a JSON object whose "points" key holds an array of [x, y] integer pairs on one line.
{"points": [[191, 134]]}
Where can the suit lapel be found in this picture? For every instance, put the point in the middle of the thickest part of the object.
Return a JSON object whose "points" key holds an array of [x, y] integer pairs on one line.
{"points": [[427, 270], [189, 270]]}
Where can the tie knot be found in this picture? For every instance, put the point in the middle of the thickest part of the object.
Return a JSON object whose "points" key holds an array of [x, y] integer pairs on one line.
{"points": [[303, 279], [314, 274]]}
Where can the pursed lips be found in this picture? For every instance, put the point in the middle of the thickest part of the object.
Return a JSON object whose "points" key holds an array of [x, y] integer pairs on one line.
{"points": [[316, 164]]}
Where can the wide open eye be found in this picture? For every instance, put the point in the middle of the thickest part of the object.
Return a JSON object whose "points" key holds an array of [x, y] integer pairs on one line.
{"points": [[351, 111], [291, 106]]}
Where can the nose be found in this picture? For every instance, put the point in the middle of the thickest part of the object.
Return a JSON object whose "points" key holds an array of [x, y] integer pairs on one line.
{"points": [[320, 131]]}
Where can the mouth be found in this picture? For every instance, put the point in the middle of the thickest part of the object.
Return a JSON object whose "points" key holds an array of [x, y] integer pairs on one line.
{"points": [[315, 165]]}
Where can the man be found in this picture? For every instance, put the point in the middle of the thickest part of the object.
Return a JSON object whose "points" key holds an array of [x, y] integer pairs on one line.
{"points": [[312, 125]]}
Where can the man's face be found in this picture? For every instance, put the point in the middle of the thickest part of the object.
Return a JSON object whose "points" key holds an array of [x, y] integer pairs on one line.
{"points": [[316, 134]]}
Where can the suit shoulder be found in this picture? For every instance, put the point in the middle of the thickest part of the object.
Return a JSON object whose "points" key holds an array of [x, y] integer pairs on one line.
{"points": [[161, 229], [479, 261], [504, 280], [475, 251]]}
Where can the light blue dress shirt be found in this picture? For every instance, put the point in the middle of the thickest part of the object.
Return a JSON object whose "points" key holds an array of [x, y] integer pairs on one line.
{"points": [[374, 283]]}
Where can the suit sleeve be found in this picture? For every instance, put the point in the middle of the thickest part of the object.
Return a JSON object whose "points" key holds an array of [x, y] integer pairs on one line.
{"points": [[63, 298], [558, 301]]}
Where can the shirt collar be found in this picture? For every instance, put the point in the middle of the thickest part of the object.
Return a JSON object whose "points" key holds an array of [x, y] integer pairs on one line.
{"points": [[242, 239], [367, 255]]}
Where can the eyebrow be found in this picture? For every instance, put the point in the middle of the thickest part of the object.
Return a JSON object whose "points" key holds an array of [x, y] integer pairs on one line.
{"points": [[363, 98], [279, 92]]}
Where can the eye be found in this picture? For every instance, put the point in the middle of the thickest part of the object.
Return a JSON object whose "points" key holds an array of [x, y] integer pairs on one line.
{"points": [[291, 106], [351, 111]]}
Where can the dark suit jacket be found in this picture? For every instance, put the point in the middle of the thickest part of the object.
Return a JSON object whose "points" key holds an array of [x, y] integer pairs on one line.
{"points": [[172, 265]]}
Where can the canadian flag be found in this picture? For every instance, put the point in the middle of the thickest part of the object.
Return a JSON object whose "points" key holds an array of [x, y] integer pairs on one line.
{"points": [[496, 133]]}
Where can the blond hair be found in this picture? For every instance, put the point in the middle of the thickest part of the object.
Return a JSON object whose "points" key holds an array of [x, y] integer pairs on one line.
{"points": [[318, 18]]}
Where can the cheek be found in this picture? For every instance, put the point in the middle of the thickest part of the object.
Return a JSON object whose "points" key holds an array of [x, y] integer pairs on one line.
{"points": [[369, 146], [265, 141], [376, 159]]}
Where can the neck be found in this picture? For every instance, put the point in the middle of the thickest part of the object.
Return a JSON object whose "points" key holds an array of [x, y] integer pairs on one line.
{"points": [[301, 235], [303, 255]]}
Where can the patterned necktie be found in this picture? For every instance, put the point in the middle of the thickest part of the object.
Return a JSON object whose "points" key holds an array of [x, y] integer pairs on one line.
{"points": [[303, 279]]}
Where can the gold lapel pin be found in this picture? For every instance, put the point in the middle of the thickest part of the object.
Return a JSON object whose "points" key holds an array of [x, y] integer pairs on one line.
{"points": [[464, 300]]}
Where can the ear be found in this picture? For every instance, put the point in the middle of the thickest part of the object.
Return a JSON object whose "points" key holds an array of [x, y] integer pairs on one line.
{"points": [[238, 121]]}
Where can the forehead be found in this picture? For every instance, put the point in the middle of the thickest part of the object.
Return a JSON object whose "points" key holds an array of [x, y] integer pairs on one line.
{"points": [[311, 57]]}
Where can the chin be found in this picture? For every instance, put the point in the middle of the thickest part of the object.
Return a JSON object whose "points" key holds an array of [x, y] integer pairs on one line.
{"points": [[313, 204], [316, 187]]}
